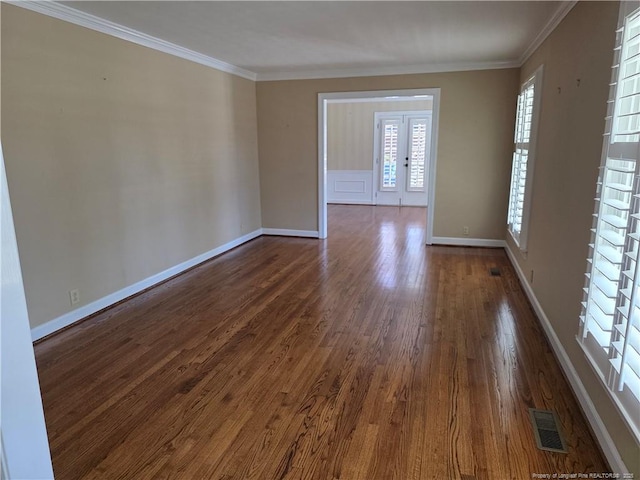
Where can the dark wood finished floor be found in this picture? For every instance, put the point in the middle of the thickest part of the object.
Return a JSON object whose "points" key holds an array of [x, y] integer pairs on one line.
{"points": [[367, 356]]}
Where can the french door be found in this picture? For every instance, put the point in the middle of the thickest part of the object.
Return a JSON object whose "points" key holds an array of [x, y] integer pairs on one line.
{"points": [[401, 158]]}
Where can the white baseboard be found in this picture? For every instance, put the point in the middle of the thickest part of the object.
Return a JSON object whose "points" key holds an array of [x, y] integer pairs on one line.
{"points": [[604, 439], [71, 317], [290, 233], [468, 242]]}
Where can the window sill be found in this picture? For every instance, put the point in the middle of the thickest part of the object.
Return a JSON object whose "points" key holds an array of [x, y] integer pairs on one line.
{"points": [[516, 241]]}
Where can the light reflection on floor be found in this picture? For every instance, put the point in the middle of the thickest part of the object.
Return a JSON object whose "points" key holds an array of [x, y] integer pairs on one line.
{"points": [[400, 245], [387, 262]]}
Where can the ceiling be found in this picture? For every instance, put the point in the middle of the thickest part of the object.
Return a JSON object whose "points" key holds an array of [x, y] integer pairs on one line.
{"points": [[291, 39]]}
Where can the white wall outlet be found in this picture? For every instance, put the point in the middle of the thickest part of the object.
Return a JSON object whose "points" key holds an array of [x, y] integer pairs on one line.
{"points": [[74, 296], [465, 231]]}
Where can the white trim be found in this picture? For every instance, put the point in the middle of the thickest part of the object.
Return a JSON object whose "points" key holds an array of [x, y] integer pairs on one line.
{"points": [[71, 15], [626, 414], [4, 469], [537, 77], [351, 202], [351, 172], [284, 232], [515, 242], [469, 242], [71, 317], [325, 98], [381, 71], [563, 9], [535, 80], [394, 99], [379, 125], [92, 22], [433, 160], [350, 186], [25, 446], [604, 439], [374, 95]]}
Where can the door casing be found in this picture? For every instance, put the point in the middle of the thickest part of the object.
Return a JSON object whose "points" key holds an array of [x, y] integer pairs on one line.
{"points": [[325, 98]]}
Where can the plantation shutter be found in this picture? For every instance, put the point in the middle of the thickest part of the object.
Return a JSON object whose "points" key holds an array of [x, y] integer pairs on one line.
{"points": [[610, 318], [522, 166], [417, 153], [390, 132]]}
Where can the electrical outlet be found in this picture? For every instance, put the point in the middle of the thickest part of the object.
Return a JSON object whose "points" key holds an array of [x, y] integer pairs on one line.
{"points": [[465, 231], [74, 296]]}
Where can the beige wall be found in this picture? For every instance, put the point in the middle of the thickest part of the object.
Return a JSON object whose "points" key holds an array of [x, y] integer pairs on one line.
{"points": [[122, 161], [566, 169], [350, 131], [474, 147]]}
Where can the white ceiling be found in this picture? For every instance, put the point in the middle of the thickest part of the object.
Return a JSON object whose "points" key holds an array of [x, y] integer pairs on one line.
{"points": [[290, 39]]}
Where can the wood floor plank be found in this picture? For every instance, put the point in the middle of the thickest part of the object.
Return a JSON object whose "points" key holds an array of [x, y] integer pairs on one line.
{"points": [[365, 356]]}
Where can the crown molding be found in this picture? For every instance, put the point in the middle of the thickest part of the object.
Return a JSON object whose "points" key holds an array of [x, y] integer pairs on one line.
{"points": [[92, 22], [563, 9], [382, 71], [71, 15]]}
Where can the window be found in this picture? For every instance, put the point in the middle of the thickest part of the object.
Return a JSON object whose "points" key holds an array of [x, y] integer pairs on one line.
{"points": [[417, 153], [389, 153], [523, 153], [610, 318]]}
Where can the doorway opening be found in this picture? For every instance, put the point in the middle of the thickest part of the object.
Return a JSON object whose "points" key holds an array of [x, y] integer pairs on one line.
{"points": [[403, 172]]}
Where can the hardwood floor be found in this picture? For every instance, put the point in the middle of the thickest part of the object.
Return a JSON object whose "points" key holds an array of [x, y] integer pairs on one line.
{"points": [[367, 356]]}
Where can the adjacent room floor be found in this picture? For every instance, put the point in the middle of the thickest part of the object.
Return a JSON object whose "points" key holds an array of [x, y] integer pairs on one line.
{"points": [[365, 356]]}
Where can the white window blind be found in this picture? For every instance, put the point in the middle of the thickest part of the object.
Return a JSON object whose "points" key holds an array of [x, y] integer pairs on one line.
{"points": [[610, 318], [521, 170], [417, 153], [390, 132]]}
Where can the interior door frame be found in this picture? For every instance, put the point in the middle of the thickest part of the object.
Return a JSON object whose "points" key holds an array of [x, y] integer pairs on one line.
{"points": [[378, 117], [325, 98]]}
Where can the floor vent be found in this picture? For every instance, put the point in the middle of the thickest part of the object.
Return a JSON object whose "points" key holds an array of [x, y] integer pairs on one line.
{"points": [[494, 271], [545, 427]]}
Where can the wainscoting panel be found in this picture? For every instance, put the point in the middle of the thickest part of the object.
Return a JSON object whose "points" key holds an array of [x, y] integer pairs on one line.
{"points": [[350, 186]]}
